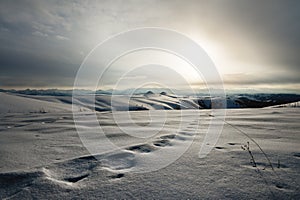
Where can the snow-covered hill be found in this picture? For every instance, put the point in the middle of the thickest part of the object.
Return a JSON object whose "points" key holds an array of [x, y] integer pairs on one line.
{"points": [[11, 103], [16, 102]]}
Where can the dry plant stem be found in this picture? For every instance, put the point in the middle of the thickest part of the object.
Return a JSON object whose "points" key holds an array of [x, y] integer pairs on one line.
{"points": [[247, 147], [239, 130]]}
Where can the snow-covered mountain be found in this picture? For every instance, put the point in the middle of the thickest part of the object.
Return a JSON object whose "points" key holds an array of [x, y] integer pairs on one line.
{"points": [[35, 101]]}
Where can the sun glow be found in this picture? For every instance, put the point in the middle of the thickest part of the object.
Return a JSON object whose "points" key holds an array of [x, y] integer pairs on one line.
{"points": [[153, 65]]}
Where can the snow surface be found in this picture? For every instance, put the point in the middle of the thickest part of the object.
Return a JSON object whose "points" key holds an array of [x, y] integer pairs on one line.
{"points": [[293, 104], [42, 102], [42, 156], [19, 104]]}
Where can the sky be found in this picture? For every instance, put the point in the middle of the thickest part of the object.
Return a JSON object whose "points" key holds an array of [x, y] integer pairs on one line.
{"points": [[254, 44]]}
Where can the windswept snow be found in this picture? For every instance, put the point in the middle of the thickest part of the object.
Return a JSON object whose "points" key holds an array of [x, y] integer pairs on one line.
{"points": [[18, 104], [42, 156], [15, 102]]}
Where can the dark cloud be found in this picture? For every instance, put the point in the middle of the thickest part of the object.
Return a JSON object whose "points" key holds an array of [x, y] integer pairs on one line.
{"points": [[272, 26], [257, 79]]}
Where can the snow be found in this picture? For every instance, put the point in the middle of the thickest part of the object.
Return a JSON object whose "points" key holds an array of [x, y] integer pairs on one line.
{"points": [[13, 103], [41, 101], [43, 157], [293, 104]]}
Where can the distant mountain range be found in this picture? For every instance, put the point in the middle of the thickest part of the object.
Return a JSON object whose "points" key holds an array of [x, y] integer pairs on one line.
{"points": [[59, 92], [153, 99]]}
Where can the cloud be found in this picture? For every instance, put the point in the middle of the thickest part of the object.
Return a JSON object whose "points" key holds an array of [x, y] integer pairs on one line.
{"points": [[44, 40], [266, 78], [37, 33], [59, 37]]}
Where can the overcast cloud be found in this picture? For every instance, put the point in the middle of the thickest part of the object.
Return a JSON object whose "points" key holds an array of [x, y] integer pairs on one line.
{"points": [[252, 42]]}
